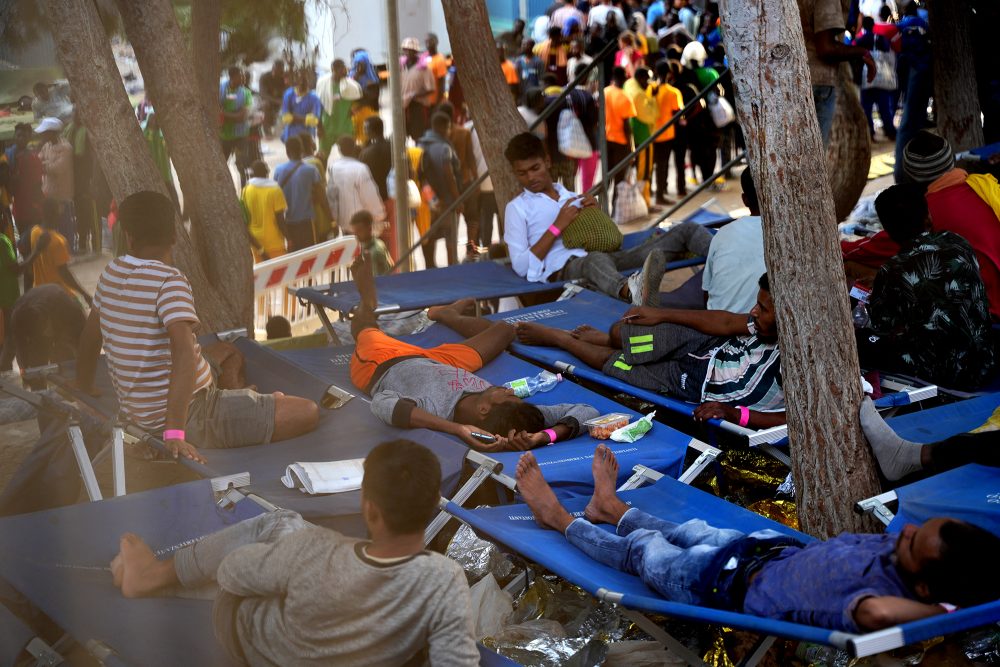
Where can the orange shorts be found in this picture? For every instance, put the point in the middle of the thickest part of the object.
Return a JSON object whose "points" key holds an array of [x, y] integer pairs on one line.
{"points": [[374, 348]]}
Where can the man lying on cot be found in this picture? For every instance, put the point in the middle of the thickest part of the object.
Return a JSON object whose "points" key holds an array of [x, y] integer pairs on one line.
{"points": [[291, 593], [729, 363], [144, 315], [436, 388], [850, 583]]}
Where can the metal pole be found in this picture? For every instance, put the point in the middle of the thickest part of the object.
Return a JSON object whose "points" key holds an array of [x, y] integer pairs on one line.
{"points": [[400, 160], [602, 141]]}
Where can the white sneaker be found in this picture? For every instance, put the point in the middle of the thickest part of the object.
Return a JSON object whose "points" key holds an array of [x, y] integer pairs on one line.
{"points": [[644, 285]]}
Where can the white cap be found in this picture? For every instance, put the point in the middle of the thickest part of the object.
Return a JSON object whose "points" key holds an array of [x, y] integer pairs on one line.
{"points": [[694, 55], [48, 124], [411, 43]]}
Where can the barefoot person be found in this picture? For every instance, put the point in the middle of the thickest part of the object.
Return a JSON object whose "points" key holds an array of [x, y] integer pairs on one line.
{"points": [[728, 362], [291, 593], [144, 317], [436, 388], [850, 582]]}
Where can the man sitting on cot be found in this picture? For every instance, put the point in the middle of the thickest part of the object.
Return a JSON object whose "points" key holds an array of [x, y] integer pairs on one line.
{"points": [[850, 583], [291, 593], [144, 316], [436, 388], [729, 363]]}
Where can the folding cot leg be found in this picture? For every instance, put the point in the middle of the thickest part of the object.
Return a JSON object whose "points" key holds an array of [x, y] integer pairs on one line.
{"points": [[776, 453], [662, 636], [83, 462], [708, 455], [641, 475], [762, 646], [327, 324], [43, 653], [118, 459], [485, 466]]}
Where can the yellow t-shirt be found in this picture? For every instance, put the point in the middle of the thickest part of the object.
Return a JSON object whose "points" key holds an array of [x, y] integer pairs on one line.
{"points": [[669, 100], [264, 200], [56, 254]]}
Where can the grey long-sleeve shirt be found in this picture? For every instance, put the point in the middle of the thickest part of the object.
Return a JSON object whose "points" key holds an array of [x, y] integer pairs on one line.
{"points": [[314, 598], [437, 388]]}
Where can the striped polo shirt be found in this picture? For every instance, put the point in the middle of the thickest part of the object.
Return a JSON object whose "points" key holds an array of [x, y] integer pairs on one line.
{"points": [[137, 299], [746, 370]]}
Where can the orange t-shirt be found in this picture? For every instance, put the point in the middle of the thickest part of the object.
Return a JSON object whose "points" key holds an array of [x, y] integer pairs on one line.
{"points": [[56, 254], [670, 102], [439, 68], [617, 109], [509, 72]]}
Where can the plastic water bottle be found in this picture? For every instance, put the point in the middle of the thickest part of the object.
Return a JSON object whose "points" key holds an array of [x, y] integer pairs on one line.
{"points": [[529, 386], [816, 655], [860, 315]]}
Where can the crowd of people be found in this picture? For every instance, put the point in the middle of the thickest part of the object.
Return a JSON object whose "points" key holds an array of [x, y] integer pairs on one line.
{"points": [[926, 290]]}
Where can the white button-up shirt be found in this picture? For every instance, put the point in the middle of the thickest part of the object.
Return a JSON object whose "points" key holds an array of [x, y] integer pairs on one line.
{"points": [[527, 218]]}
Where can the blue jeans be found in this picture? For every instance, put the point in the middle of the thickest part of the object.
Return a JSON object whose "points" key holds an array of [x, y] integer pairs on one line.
{"points": [[881, 98], [675, 560], [919, 86], [825, 99]]}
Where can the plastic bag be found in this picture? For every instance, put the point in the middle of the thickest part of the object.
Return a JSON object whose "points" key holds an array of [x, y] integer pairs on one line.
{"points": [[635, 430], [629, 204], [491, 606], [572, 139]]}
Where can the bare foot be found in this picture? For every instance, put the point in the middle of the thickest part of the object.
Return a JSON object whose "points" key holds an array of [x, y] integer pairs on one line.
{"points": [[533, 333], [361, 271], [589, 334], [604, 506], [538, 494], [460, 307], [142, 575]]}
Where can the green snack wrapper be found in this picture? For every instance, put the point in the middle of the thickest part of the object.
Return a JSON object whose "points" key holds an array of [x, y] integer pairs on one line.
{"points": [[635, 430]]}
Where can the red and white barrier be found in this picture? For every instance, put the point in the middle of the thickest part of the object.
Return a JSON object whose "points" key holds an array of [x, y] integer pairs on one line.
{"points": [[323, 263]]}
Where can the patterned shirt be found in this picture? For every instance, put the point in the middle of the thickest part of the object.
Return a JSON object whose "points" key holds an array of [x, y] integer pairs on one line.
{"points": [[822, 583], [930, 302], [137, 299], [746, 370]]}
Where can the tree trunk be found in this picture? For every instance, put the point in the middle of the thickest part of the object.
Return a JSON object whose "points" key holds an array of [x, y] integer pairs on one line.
{"points": [[492, 109], [84, 52], [220, 235], [206, 22], [831, 462], [849, 154], [956, 98]]}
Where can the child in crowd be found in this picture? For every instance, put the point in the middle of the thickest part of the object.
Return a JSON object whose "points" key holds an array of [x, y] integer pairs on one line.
{"points": [[372, 247]]}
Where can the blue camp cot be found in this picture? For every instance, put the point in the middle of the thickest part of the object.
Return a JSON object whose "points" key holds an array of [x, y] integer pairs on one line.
{"points": [[513, 526]]}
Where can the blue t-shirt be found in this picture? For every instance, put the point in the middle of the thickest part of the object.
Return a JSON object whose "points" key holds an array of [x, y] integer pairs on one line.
{"points": [[822, 583], [298, 187]]}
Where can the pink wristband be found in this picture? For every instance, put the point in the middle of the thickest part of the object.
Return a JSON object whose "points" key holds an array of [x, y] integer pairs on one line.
{"points": [[173, 434], [744, 415], [551, 432], [555, 231]]}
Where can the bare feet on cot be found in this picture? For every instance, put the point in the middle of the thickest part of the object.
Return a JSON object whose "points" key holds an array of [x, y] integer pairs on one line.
{"points": [[361, 271], [533, 333], [460, 307], [136, 570], [604, 505], [589, 334], [537, 493]]}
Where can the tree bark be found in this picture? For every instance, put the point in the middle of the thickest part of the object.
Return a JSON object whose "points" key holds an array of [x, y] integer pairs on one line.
{"points": [[84, 52], [831, 461], [492, 109], [217, 227], [206, 22], [849, 153], [956, 98]]}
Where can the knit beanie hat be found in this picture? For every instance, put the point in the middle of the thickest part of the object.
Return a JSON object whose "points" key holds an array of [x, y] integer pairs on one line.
{"points": [[927, 157]]}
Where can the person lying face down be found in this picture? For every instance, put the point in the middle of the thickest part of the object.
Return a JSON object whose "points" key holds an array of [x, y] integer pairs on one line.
{"points": [[728, 362], [291, 593], [851, 582], [436, 388]]}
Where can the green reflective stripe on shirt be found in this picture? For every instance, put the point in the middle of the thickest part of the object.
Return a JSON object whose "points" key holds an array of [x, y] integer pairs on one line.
{"points": [[622, 365], [644, 338], [636, 349]]}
